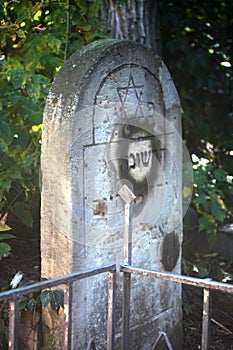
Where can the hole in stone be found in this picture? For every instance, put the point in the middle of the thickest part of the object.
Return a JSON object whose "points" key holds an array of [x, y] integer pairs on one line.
{"points": [[150, 105]]}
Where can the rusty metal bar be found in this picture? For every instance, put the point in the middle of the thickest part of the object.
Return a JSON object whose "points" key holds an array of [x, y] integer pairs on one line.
{"points": [[126, 310], [207, 284], [16, 293], [128, 234], [70, 301], [127, 277], [111, 309], [194, 281], [13, 296], [13, 325], [206, 319], [128, 196]]}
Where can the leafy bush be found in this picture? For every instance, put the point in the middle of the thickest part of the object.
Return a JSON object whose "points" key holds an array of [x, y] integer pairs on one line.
{"points": [[210, 186], [36, 38]]}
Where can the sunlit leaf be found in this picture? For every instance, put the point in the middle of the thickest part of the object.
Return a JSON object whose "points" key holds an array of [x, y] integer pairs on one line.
{"points": [[37, 15], [16, 77], [4, 227], [36, 128], [225, 64]]}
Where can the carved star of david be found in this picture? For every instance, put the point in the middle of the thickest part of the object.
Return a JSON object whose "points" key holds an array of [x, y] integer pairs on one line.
{"points": [[124, 93]]}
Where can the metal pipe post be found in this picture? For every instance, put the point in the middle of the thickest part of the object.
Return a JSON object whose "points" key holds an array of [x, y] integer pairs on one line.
{"points": [[111, 307], [128, 196], [14, 324], [206, 319]]}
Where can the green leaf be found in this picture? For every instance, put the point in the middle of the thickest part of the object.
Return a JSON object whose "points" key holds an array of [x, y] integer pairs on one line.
{"points": [[16, 76], [21, 34], [4, 228], [5, 132], [54, 298], [59, 296], [201, 198], [94, 8], [23, 300], [82, 4], [6, 236], [24, 139], [23, 213], [45, 297], [57, 300], [54, 43], [220, 174], [26, 14], [217, 211], [31, 304], [4, 249], [206, 221]]}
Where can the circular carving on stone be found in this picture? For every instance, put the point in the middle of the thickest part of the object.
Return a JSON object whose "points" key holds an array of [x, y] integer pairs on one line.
{"points": [[170, 251]]}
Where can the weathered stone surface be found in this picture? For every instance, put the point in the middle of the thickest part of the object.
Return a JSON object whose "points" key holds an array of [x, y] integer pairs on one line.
{"points": [[112, 118]]}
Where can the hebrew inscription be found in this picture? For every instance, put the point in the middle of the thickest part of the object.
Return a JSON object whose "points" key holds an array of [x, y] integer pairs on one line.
{"points": [[141, 159], [134, 150]]}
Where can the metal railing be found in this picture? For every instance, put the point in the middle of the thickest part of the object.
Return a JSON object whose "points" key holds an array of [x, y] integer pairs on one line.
{"points": [[14, 295], [128, 196], [206, 284], [127, 269]]}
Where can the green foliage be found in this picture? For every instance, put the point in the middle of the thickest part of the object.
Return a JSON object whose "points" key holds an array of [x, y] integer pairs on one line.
{"points": [[210, 184], [36, 37], [54, 298], [197, 40], [32, 303], [28, 302], [49, 297]]}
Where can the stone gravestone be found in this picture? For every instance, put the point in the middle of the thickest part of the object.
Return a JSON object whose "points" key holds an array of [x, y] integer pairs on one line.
{"points": [[112, 118]]}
